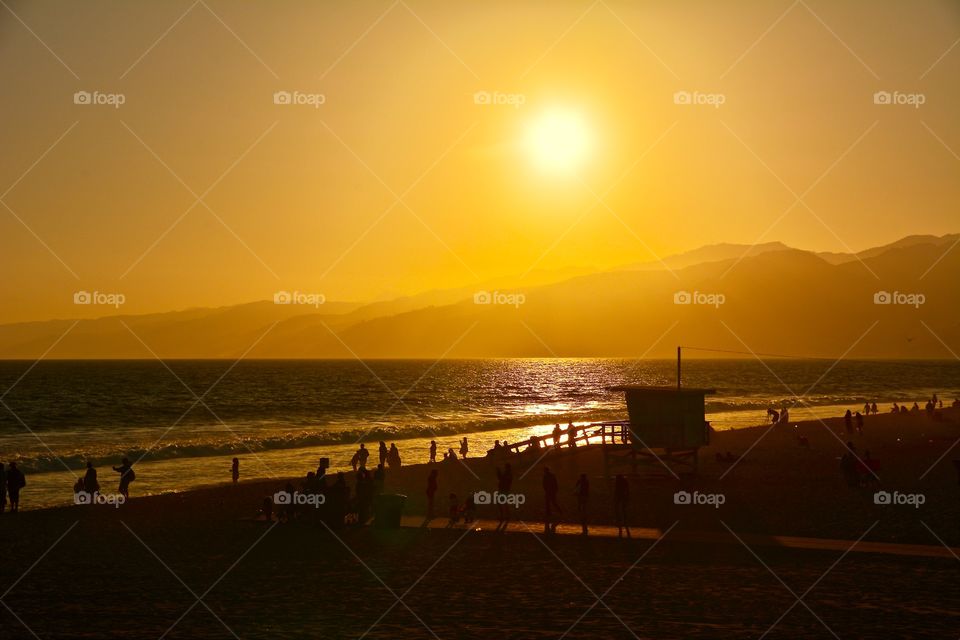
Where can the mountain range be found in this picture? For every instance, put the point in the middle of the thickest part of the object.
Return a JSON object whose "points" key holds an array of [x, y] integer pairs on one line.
{"points": [[900, 300]]}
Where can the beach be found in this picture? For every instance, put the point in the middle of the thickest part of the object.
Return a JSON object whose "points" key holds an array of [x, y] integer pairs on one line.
{"points": [[694, 570]]}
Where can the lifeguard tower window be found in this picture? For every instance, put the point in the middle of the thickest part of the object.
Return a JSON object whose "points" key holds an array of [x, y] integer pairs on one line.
{"points": [[666, 417]]}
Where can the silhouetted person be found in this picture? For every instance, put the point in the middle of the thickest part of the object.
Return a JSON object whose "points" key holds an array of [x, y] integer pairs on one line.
{"points": [[859, 421], [379, 479], [469, 508], [571, 435], [431, 491], [873, 408], [896, 408], [433, 451], [339, 497], [464, 448], [621, 497], [848, 422], [3, 488], [504, 484], [850, 466], [266, 509], [364, 455], [915, 408], [90, 483], [365, 490], [550, 490], [454, 510], [393, 457], [235, 470], [557, 434], [15, 482], [383, 451], [582, 491], [126, 476]]}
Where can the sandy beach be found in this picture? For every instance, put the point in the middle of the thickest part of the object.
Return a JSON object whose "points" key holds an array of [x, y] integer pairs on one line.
{"points": [[134, 571]]}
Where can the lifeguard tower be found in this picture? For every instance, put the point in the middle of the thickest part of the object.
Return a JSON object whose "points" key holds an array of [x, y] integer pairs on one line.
{"points": [[667, 425]]}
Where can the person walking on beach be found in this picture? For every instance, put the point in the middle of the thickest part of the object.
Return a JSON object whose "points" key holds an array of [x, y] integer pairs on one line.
{"points": [[393, 456], [433, 451], [379, 478], [383, 452], [550, 490], [582, 491], [504, 484], [90, 483], [571, 436], [848, 422], [15, 482], [3, 488], [859, 422], [126, 476], [431, 491], [235, 470], [464, 448], [621, 496], [873, 408], [364, 455]]}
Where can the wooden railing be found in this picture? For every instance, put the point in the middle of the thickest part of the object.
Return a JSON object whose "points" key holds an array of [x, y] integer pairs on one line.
{"points": [[603, 433]]}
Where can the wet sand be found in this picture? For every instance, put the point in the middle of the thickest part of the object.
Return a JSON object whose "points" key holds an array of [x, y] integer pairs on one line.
{"points": [[118, 572]]}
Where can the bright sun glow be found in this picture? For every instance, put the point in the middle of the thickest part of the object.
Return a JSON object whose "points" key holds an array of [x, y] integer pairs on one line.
{"points": [[558, 141]]}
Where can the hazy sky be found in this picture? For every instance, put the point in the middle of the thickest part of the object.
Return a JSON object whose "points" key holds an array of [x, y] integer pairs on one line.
{"points": [[401, 182]]}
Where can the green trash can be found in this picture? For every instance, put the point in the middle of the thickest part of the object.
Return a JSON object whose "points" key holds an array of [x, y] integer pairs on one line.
{"points": [[387, 509]]}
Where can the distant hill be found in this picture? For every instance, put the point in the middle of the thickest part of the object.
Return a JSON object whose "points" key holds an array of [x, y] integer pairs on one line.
{"points": [[775, 300]]}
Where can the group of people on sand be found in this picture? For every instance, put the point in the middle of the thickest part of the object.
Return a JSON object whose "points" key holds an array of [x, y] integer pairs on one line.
{"points": [[332, 503], [388, 456], [536, 443], [450, 455], [12, 481], [88, 481], [505, 501], [931, 407]]}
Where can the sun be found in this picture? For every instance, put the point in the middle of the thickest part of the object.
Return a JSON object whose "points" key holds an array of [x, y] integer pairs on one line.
{"points": [[558, 141]]}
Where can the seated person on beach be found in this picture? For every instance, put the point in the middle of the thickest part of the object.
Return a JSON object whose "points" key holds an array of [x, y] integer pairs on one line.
{"points": [[773, 415], [896, 408], [454, 508], [469, 508]]}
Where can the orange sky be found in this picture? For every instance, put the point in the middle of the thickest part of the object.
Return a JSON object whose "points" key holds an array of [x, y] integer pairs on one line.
{"points": [[400, 182]]}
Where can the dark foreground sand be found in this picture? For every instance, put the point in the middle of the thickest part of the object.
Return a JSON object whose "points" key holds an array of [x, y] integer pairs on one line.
{"points": [[135, 571]]}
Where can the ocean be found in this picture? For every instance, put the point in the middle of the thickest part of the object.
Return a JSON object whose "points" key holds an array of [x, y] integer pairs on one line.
{"points": [[182, 421]]}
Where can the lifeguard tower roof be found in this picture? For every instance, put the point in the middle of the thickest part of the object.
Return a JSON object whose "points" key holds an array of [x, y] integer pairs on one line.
{"points": [[666, 417], [654, 390]]}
